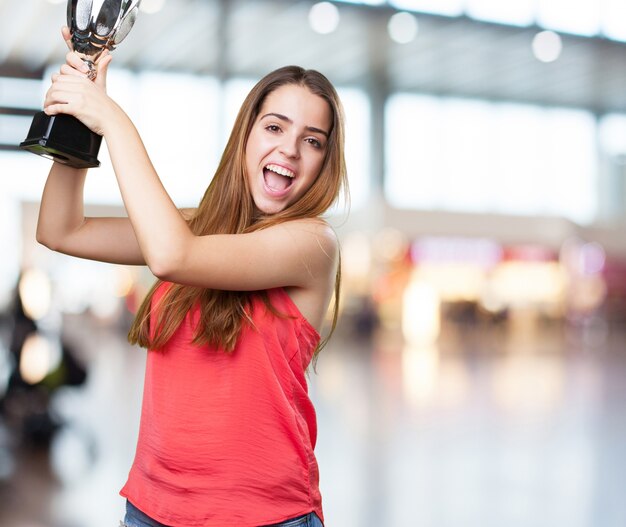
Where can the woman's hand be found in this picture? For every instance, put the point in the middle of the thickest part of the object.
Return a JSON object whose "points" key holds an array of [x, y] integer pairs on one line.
{"points": [[74, 94]]}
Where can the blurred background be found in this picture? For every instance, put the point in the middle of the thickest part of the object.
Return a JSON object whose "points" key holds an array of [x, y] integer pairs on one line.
{"points": [[477, 377]]}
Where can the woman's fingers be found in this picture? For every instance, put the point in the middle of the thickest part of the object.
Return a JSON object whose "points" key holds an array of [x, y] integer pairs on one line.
{"points": [[103, 67], [69, 70], [67, 36], [79, 65], [72, 59], [55, 108], [76, 66], [79, 97], [64, 98], [56, 101]]}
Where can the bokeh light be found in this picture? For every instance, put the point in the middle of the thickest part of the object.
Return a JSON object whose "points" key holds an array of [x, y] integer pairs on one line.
{"points": [[324, 17]]}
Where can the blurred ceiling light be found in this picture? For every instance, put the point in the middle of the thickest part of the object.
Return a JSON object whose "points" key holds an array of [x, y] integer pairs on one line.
{"points": [[420, 313], [593, 258], [582, 258], [402, 27], [569, 255], [35, 293], [324, 17], [547, 46], [490, 301], [37, 359], [454, 282], [520, 284], [152, 6], [482, 252]]}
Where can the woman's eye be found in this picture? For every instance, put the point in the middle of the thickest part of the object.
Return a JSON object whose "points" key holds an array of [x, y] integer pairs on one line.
{"points": [[272, 128], [314, 142]]}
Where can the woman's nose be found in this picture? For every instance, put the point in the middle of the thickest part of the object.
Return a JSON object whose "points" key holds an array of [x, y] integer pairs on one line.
{"points": [[290, 147]]}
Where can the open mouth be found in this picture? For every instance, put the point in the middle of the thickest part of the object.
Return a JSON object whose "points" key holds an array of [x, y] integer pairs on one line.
{"points": [[278, 178]]}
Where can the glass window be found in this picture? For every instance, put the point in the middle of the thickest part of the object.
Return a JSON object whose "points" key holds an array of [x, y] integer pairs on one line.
{"points": [[475, 156], [13, 129], [21, 93], [235, 92], [182, 138], [358, 159]]}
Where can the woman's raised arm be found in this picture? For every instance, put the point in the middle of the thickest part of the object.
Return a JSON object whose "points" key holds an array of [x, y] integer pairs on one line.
{"points": [[63, 227]]}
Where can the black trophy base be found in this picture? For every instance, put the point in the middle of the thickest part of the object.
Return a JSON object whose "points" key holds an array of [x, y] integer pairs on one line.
{"points": [[64, 139]]}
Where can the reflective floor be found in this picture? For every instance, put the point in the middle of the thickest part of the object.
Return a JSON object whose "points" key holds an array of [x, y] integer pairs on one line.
{"points": [[517, 425]]}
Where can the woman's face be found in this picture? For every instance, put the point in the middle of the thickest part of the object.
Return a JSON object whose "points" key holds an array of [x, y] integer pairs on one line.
{"points": [[286, 147]]}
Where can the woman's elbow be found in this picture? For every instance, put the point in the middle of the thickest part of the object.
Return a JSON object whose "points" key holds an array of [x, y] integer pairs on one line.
{"points": [[165, 267], [45, 239]]}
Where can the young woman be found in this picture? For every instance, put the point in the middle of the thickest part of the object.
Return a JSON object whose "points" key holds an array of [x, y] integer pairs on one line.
{"points": [[244, 281]]}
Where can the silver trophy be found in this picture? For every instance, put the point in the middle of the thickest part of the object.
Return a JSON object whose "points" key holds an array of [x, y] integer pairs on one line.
{"points": [[95, 25]]}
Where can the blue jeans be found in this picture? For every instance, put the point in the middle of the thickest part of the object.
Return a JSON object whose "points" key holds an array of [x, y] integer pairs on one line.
{"points": [[135, 518]]}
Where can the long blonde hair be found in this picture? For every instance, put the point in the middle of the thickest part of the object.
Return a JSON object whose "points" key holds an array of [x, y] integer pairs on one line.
{"points": [[227, 208]]}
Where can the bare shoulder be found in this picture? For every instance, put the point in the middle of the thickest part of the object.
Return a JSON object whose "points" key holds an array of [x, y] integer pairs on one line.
{"points": [[319, 254], [315, 229], [315, 237]]}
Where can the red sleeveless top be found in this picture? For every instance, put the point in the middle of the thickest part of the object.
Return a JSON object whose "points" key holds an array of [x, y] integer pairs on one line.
{"points": [[227, 439]]}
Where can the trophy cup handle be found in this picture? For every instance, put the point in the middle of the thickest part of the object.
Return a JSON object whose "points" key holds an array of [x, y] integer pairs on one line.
{"points": [[127, 23]]}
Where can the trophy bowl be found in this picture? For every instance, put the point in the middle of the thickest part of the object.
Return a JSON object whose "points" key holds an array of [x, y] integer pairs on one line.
{"points": [[95, 26]]}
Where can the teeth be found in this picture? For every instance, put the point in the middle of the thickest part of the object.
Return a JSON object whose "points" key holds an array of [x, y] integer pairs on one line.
{"points": [[280, 170]]}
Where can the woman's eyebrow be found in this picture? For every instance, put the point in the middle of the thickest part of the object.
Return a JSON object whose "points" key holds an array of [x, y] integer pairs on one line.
{"points": [[286, 119]]}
